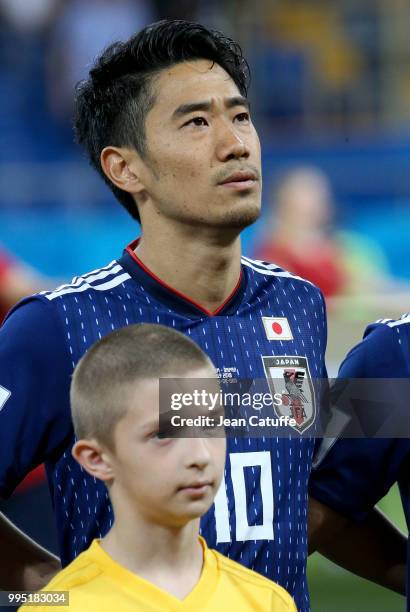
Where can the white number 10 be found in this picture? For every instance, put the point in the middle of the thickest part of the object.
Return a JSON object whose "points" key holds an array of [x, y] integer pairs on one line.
{"points": [[244, 531]]}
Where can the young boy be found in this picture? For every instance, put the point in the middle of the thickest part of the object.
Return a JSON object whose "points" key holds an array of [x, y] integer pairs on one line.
{"points": [[152, 558]]}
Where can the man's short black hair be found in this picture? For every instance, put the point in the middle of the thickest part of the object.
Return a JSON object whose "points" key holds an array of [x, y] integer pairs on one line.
{"points": [[111, 105]]}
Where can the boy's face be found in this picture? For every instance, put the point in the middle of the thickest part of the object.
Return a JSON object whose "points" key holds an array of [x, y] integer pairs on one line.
{"points": [[203, 164], [167, 480]]}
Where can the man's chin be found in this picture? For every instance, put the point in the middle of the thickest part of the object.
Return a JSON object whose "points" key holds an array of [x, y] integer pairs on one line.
{"points": [[240, 217], [228, 218]]}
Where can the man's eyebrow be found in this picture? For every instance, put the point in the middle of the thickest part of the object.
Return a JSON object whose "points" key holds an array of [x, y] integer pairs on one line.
{"points": [[237, 101], [185, 109], [206, 105]]}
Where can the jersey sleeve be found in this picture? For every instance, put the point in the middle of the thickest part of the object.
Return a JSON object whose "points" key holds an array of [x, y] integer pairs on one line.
{"points": [[35, 370], [357, 472]]}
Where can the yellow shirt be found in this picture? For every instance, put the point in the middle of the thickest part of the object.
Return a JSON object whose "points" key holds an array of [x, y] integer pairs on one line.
{"points": [[98, 583]]}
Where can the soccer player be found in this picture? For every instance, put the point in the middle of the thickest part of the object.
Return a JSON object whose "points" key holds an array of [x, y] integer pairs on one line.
{"points": [[151, 558], [165, 120], [355, 474]]}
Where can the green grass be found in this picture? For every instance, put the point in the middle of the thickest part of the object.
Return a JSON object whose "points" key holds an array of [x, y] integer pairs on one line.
{"points": [[332, 589]]}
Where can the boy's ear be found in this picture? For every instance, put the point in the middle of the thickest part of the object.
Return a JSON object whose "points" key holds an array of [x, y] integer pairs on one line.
{"points": [[124, 168], [93, 458]]}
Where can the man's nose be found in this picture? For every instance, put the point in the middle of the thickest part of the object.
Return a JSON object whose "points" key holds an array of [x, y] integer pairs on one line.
{"points": [[231, 145]]}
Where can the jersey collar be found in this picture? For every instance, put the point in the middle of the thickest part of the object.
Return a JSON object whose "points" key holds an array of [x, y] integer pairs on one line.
{"points": [[171, 297]]}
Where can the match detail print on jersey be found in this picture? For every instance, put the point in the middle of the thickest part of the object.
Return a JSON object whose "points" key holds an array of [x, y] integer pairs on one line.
{"points": [[4, 396], [277, 328], [290, 377]]}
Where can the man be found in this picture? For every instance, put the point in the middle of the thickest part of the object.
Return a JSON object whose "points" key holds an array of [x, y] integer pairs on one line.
{"points": [[152, 559], [356, 473], [165, 120]]}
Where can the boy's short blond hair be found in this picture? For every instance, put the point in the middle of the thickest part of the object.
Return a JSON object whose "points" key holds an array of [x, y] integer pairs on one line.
{"points": [[105, 375]]}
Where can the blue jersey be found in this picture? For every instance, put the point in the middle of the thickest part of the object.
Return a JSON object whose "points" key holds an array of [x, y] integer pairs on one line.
{"points": [[356, 473], [272, 319]]}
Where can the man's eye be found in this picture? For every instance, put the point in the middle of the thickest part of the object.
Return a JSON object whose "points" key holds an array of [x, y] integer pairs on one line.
{"points": [[243, 117], [199, 121]]}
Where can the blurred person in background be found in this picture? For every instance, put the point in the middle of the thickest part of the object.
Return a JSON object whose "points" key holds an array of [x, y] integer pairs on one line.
{"points": [[24, 29], [26, 16], [80, 31], [16, 281], [301, 238]]}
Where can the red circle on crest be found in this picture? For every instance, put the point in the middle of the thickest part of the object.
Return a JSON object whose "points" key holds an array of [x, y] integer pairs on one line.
{"points": [[277, 327]]}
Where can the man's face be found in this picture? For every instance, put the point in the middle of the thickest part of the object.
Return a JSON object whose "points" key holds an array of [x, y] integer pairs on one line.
{"points": [[203, 153], [168, 481]]}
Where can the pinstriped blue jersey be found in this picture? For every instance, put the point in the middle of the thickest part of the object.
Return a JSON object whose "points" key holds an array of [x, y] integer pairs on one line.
{"points": [[356, 474], [272, 323]]}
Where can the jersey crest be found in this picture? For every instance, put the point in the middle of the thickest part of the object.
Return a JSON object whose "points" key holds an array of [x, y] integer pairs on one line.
{"points": [[289, 376]]}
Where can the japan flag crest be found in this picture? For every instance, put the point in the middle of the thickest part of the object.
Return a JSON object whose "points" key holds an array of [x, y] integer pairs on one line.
{"points": [[277, 328]]}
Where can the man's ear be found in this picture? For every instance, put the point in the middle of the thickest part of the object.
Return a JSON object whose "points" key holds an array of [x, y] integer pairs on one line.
{"points": [[93, 458], [123, 167]]}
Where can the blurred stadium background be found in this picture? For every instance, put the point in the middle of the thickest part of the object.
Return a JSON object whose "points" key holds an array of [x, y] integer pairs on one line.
{"points": [[330, 91]]}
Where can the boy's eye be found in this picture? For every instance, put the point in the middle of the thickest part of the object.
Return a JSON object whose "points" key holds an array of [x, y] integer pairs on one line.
{"points": [[164, 433], [161, 435]]}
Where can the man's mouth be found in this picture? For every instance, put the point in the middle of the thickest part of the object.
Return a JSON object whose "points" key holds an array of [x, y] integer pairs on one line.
{"points": [[243, 179]]}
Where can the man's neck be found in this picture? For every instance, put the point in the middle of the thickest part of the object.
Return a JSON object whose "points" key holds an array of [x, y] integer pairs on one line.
{"points": [[203, 266], [170, 558]]}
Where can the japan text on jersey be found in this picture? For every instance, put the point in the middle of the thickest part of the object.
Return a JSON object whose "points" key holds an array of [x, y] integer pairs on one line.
{"points": [[273, 325]]}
